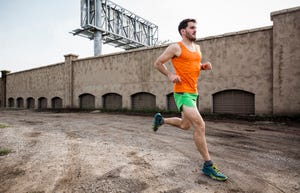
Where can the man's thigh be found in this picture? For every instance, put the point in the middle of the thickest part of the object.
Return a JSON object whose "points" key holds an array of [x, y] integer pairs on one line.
{"points": [[191, 115]]}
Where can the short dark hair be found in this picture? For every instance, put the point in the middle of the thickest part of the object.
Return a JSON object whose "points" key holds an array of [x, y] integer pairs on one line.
{"points": [[184, 23]]}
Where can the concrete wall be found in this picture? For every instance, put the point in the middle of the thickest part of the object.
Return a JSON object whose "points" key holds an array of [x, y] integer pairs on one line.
{"points": [[3, 85], [286, 61], [125, 74], [45, 82], [240, 61], [263, 61], [1, 93]]}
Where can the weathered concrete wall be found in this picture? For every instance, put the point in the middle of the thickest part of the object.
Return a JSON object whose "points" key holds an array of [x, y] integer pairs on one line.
{"points": [[241, 61], [3, 85], [124, 73], [286, 61], [45, 82], [1, 93]]}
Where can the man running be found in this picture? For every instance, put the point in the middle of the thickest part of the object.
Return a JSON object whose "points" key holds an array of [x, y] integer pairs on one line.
{"points": [[186, 59]]}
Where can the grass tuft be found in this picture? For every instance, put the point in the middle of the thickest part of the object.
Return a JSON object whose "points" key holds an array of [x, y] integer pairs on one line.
{"points": [[3, 126], [4, 151]]}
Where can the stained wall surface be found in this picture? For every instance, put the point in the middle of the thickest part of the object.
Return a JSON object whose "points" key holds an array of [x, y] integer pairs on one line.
{"points": [[45, 82], [286, 61]]}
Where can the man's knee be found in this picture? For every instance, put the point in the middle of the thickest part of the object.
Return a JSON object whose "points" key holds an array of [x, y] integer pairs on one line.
{"points": [[185, 126], [199, 125]]}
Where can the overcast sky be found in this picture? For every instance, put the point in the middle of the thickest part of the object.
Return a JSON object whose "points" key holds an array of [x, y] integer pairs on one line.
{"points": [[35, 33]]}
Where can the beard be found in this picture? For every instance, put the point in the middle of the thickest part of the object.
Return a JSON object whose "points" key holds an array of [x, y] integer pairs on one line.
{"points": [[190, 37]]}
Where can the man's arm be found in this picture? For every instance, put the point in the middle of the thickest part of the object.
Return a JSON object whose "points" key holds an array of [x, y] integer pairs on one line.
{"points": [[206, 65], [168, 54]]}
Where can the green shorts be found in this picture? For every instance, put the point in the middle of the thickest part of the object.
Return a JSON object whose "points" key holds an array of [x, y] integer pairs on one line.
{"points": [[186, 99]]}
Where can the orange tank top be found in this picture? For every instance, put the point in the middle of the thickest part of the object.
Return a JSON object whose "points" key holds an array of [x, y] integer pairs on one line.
{"points": [[187, 66]]}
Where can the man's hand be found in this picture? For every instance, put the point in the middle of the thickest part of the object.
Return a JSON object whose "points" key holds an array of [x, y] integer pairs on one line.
{"points": [[174, 78], [206, 66]]}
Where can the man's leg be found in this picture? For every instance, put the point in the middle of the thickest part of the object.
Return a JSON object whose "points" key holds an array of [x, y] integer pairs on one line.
{"points": [[192, 115], [209, 168], [182, 123]]}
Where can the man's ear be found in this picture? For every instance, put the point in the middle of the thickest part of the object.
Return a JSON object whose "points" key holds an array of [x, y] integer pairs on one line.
{"points": [[182, 31]]}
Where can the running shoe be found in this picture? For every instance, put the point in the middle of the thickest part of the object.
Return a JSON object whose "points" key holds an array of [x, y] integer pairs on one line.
{"points": [[158, 121], [213, 172]]}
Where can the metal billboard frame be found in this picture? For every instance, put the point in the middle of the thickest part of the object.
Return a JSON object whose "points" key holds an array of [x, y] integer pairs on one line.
{"points": [[106, 22]]}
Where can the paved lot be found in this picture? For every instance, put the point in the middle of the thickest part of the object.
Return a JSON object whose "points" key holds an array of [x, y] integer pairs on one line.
{"points": [[97, 152]]}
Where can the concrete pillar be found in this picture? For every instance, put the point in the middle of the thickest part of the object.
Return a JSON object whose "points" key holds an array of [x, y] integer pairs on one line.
{"points": [[97, 43], [68, 81], [3, 90], [286, 61], [98, 34]]}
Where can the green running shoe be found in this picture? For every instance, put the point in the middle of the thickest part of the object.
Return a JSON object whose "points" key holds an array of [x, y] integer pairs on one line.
{"points": [[158, 121], [213, 172]]}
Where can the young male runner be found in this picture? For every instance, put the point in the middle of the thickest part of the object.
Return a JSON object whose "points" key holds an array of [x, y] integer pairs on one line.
{"points": [[186, 59]]}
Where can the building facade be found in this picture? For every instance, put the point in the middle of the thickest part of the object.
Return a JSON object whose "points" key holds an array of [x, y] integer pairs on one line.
{"points": [[254, 72]]}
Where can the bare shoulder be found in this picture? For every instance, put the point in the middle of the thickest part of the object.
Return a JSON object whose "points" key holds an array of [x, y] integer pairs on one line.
{"points": [[198, 48], [170, 52], [174, 49]]}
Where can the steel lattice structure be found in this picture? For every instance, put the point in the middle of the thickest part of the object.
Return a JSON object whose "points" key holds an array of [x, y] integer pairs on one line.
{"points": [[107, 22]]}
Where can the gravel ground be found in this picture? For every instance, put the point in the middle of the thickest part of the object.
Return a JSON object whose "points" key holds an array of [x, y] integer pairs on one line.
{"points": [[98, 152]]}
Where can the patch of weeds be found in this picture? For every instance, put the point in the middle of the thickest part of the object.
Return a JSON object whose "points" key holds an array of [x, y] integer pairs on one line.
{"points": [[36, 192], [18, 172], [4, 151], [3, 126]]}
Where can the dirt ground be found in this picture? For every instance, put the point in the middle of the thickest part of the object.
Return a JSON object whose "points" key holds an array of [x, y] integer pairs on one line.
{"points": [[98, 152]]}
